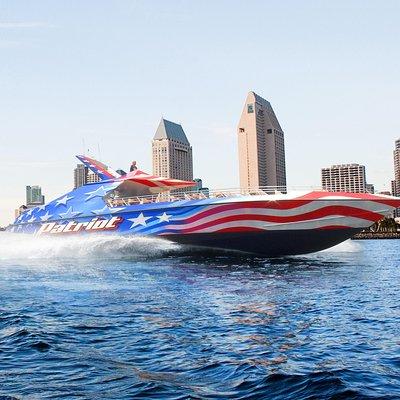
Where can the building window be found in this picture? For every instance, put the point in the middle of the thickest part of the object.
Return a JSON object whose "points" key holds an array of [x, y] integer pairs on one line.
{"points": [[241, 130], [250, 108]]}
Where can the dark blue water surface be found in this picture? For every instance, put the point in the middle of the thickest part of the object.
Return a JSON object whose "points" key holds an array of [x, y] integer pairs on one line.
{"points": [[139, 318]]}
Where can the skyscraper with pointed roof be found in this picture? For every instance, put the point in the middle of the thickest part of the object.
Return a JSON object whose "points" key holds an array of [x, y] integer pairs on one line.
{"points": [[172, 152], [261, 145]]}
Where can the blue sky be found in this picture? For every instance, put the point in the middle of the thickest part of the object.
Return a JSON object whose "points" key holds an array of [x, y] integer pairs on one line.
{"points": [[106, 71]]}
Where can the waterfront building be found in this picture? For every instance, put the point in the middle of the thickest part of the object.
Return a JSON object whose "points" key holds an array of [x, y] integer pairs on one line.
{"points": [[199, 184], [172, 152], [370, 188], [80, 173], [396, 181], [396, 160], [344, 178], [261, 145], [393, 187], [83, 176], [200, 188], [34, 196], [91, 177]]}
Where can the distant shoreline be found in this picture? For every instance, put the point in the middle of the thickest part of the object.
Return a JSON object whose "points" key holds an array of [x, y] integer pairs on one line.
{"points": [[376, 235]]}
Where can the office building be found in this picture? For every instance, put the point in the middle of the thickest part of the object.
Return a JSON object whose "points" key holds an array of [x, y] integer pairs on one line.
{"points": [[172, 152], [370, 188], [396, 159], [344, 178], [393, 187], [83, 176], [200, 188], [80, 174], [199, 184], [91, 177], [261, 145], [34, 196]]}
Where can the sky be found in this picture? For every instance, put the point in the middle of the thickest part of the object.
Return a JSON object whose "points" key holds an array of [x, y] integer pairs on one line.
{"points": [[97, 76]]}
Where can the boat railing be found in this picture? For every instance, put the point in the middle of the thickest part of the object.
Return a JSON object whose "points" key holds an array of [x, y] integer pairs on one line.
{"points": [[200, 194]]}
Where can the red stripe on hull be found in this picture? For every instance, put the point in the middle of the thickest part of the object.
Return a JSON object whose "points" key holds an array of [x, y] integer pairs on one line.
{"points": [[281, 205], [333, 227], [320, 213]]}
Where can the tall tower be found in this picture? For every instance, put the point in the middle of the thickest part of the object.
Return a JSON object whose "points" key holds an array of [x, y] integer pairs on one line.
{"points": [[396, 159], [172, 152], [261, 145]]}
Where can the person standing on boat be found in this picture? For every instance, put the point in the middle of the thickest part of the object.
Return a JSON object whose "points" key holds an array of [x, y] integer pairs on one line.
{"points": [[133, 166]]}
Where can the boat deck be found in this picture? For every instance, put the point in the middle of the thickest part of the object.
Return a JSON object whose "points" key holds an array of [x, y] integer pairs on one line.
{"points": [[179, 195]]}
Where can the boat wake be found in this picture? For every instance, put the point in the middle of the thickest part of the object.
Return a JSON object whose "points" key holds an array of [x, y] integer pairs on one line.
{"points": [[113, 247], [20, 246], [348, 246]]}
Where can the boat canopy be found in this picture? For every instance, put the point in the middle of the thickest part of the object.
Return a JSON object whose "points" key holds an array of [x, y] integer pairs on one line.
{"points": [[139, 183], [134, 183]]}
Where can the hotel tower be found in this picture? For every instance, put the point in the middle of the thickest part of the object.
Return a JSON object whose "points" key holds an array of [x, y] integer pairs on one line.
{"points": [[172, 152], [344, 178], [261, 146], [396, 159]]}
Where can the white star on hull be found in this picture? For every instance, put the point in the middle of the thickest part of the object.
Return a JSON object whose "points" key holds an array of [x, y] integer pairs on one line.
{"points": [[139, 220], [46, 217], [69, 213], [63, 200], [164, 217], [99, 192]]}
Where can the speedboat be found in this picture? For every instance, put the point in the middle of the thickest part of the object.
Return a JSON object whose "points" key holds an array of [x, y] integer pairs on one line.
{"points": [[253, 220]]}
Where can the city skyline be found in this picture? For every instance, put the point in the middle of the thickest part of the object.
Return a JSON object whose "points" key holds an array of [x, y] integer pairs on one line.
{"points": [[92, 83]]}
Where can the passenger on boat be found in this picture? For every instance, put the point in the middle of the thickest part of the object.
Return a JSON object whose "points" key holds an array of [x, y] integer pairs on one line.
{"points": [[133, 166]]}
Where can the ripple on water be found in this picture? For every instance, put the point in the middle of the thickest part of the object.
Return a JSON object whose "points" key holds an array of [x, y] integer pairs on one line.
{"points": [[154, 320]]}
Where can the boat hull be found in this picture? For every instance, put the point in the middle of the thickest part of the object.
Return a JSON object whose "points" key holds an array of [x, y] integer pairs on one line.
{"points": [[268, 243]]}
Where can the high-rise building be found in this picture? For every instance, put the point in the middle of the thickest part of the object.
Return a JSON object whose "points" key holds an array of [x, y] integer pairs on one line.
{"points": [[393, 187], [34, 196], [91, 177], [370, 188], [83, 176], [80, 173], [396, 159], [344, 178], [199, 184], [172, 152], [261, 145]]}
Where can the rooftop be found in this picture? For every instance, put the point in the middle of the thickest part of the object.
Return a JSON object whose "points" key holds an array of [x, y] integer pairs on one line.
{"points": [[267, 106], [170, 130]]}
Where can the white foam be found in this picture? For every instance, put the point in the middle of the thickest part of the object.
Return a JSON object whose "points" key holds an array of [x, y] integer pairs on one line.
{"points": [[348, 246], [21, 246]]}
